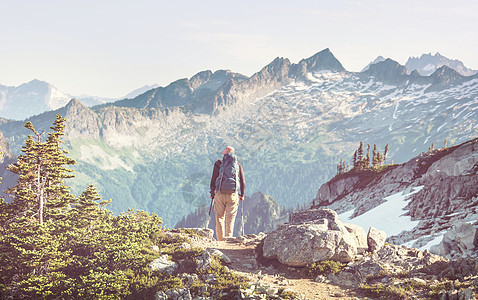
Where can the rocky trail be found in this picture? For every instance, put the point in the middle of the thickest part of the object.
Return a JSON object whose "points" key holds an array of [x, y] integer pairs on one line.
{"points": [[271, 274], [275, 263]]}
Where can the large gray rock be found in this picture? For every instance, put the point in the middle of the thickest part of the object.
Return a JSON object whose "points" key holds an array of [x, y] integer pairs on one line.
{"points": [[163, 265], [173, 294], [375, 239], [204, 260], [360, 237], [459, 240], [314, 235]]}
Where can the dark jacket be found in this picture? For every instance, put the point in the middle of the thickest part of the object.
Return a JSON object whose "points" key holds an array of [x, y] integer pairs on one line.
{"points": [[215, 175]]}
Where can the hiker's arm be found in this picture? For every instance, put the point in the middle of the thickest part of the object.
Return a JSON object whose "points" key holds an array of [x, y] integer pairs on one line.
{"points": [[215, 174], [242, 181]]}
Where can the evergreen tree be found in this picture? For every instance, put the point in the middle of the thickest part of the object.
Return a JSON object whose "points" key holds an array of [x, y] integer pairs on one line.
{"points": [[385, 154], [360, 158], [374, 156], [40, 192], [360, 152], [379, 159], [367, 158]]}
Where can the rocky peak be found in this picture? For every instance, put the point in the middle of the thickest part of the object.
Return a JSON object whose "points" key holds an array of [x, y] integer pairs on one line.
{"points": [[35, 84], [377, 60], [323, 60], [388, 71], [200, 78], [277, 70], [444, 76], [426, 64]]}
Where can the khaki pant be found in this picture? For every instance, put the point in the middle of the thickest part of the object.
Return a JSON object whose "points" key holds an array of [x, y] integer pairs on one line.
{"points": [[225, 206]]}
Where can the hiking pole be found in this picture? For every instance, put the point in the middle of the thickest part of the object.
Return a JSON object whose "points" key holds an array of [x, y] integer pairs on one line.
{"points": [[242, 219], [209, 215]]}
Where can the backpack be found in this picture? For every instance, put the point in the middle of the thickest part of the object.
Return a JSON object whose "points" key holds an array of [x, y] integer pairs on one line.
{"points": [[228, 178]]}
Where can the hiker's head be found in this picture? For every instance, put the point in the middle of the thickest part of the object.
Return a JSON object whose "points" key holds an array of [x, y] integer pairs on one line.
{"points": [[229, 149]]}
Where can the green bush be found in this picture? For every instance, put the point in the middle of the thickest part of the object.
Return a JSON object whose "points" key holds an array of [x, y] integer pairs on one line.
{"points": [[324, 267]]}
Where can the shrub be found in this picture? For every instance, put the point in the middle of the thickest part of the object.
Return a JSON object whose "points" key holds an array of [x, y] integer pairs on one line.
{"points": [[324, 267]]}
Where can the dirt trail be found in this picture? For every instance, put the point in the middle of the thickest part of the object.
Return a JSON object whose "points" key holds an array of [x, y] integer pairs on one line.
{"points": [[243, 262]]}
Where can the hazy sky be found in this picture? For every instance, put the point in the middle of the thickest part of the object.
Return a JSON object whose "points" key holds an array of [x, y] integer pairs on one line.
{"points": [[109, 48]]}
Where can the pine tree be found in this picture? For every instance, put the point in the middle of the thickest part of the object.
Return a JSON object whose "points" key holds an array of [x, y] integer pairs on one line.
{"points": [[385, 154], [367, 157], [379, 159], [89, 208], [374, 156], [360, 157], [40, 192]]}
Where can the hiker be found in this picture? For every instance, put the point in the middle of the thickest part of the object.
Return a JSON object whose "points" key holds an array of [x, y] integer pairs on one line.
{"points": [[227, 180]]}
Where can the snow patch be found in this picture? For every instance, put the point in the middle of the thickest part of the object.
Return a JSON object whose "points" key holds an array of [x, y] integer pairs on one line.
{"points": [[429, 67], [435, 241], [388, 216]]}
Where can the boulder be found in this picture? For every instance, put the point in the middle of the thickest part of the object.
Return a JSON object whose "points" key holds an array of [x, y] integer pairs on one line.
{"points": [[312, 236], [348, 279], [163, 265], [375, 239], [174, 294], [223, 257], [203, 261], [360, 237], [461, 239], [370, 267]]}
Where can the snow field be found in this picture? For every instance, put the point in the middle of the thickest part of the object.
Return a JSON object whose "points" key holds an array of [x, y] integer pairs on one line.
{"points": [[388, 216]]}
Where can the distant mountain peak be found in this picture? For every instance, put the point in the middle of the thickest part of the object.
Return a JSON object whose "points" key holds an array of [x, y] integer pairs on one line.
{"points": [[445, 76], [74, 103], [388, 71], [377, 60], [323, 60], [426, 64]]}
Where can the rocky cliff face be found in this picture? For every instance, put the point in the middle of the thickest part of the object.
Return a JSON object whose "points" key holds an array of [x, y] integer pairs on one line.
{"points": [[448, 197]]}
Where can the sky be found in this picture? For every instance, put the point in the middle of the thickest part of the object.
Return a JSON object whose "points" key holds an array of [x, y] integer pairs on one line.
{"points": [[109, 48]]}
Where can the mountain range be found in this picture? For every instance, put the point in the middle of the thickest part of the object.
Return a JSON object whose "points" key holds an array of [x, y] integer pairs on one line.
{"points": [[36, 97], [290, 124]]}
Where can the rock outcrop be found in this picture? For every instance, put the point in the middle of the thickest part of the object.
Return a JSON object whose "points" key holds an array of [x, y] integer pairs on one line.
{"points": [[311, 236], [449, 177], [460, 241], [163, 265]]}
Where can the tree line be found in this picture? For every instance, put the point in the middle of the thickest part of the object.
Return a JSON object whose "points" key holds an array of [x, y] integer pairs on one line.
{"points": [[362, 160]]}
